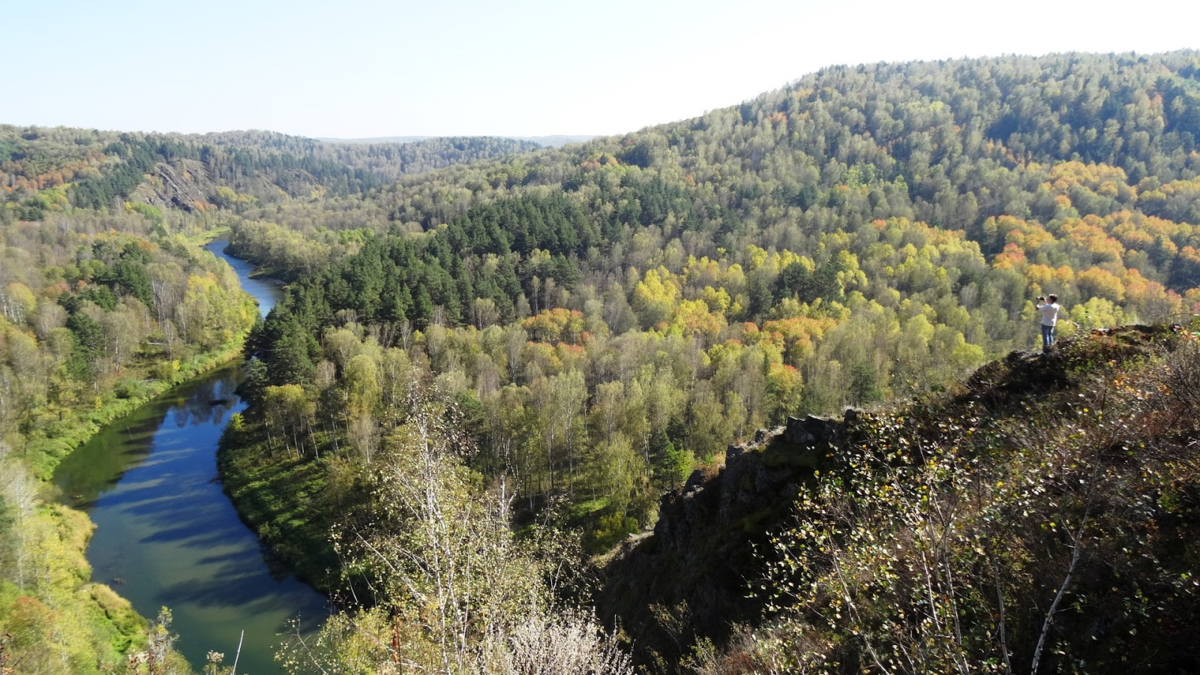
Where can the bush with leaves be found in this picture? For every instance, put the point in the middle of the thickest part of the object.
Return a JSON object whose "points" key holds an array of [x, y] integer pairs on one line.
{"points": [[454, 590]]}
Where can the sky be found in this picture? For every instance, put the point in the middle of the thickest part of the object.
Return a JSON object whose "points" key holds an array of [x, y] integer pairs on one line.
{"points": [[372, 68]]}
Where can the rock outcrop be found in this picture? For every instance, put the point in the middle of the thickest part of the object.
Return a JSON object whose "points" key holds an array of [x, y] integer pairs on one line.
{"points": [[694, 576], [695, 569], [182, 184]]}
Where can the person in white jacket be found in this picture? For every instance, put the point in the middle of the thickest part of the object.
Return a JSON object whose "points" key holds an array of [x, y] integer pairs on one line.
{"points": [[1050, 311]]}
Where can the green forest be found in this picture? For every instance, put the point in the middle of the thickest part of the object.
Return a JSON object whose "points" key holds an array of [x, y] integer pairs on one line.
{"points": [[99, 316], [530, 409]]}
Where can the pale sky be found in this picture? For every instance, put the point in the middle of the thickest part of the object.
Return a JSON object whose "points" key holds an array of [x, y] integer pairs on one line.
{"points": [[363, 68]]}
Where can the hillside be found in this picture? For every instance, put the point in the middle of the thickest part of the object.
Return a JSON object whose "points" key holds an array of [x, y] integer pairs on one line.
{"points": [[970, 504], [614, 314], [595, 323], [493, 360], [555, 141], [48, 170]]}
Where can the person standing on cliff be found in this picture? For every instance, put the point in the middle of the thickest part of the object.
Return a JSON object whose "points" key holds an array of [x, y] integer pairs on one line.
{"points": [[1050, 310]]}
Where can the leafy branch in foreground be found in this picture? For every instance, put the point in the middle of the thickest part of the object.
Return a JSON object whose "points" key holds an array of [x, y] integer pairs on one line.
{"points": [[456, 591]]}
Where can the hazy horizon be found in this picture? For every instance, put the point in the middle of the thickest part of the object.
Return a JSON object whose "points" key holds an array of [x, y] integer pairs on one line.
{"points": [[397, 138]]}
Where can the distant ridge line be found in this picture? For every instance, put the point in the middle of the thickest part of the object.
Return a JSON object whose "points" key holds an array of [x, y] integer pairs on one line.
{"points": [[556, 141]]}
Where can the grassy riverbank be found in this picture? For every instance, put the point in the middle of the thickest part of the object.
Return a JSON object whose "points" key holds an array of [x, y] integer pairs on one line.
{"points": [[56, 615], [58, 433], [289, 502], [53, 618]]}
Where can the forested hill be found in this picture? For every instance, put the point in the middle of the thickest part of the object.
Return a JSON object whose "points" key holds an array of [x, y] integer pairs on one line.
{"points": [[597, 321], [555, 141], [881, 227], [44, 170], [552, 340], [1037, 161]]}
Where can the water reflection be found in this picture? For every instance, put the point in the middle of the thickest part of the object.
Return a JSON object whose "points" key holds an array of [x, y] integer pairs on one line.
{"points": [[166, 534], [265, 291]]}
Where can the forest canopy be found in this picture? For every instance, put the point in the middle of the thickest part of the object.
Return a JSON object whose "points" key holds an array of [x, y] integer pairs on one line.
{"points": [[865, 233], [583, 327]]}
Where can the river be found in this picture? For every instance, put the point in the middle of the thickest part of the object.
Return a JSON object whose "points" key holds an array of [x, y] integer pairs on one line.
{"points": [[166, 534]]}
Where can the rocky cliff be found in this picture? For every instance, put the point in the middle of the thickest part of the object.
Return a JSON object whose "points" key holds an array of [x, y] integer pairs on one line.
{"points": [[699, 574], [692, 576]]}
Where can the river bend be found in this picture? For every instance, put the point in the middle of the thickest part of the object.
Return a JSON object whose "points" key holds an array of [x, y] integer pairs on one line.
{"points": [[167, 535]]}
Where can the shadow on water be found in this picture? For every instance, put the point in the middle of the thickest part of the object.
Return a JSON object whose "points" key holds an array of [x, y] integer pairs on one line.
{"points": [[167, 534]]}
